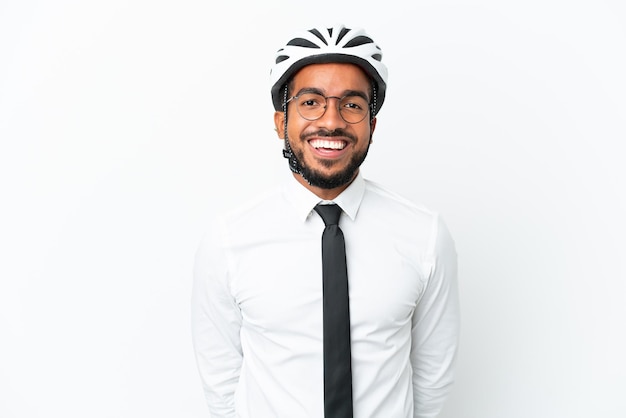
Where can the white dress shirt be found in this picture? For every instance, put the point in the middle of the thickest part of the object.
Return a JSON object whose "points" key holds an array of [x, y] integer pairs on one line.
{"points": [[257, 306]]}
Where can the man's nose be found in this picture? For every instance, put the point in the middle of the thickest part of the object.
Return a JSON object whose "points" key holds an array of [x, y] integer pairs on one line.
{"points": [[332, 116]]}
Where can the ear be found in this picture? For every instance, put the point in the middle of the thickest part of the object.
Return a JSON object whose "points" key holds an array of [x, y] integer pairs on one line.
{"points": [[279, 124], [372, 128]]}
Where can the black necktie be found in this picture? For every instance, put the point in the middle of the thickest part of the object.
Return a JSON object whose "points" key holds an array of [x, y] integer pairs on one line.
{"points": [[337, 359]]}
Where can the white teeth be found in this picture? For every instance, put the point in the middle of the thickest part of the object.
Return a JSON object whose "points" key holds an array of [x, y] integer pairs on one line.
{"points": [[324, 143]]}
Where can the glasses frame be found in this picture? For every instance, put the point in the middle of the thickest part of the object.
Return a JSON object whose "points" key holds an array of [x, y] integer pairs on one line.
{"points": [[339, 99]]}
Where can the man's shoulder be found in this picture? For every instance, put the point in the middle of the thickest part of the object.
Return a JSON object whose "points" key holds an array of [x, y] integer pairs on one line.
{"points": [[408, 217], [392, 200]]}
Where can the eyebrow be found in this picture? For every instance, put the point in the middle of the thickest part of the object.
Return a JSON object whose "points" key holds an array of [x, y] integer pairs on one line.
{"points": [[346, 93]]}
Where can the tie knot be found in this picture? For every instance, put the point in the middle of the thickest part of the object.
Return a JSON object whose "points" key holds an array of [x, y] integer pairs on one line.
{"points": [[329, 213]]}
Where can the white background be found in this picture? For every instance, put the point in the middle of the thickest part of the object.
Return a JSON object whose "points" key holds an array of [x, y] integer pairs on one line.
{"points": [[125, 124]]}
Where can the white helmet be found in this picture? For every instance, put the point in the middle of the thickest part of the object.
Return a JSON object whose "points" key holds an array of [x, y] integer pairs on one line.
{"points": [[329, 45]]}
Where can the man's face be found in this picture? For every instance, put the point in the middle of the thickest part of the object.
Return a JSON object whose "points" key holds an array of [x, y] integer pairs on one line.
{"points": [[329, 149]]}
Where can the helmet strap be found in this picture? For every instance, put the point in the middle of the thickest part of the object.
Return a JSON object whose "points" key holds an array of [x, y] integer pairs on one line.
{"points": [[373, 103], [294, 164]]}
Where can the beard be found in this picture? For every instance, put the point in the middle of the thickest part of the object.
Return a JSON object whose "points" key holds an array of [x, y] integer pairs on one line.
{"points": [[316, 178]]}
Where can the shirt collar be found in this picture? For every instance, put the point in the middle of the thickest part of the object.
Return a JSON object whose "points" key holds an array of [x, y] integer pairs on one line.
{"points": [[303, 200]]}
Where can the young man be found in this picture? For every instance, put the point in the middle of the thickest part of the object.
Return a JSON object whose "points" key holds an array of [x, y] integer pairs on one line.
{"points": [[268, 334]]}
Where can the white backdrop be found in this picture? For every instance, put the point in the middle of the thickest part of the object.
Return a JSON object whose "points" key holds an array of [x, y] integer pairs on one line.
{"points": [[124, 124]]}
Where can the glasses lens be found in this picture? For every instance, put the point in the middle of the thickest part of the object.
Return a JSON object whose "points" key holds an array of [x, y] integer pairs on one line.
{"points": [[312, 106], [353, 108]]}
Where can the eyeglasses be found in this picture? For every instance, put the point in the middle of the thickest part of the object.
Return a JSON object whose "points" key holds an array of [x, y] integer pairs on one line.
{"points": [[312, 106]]}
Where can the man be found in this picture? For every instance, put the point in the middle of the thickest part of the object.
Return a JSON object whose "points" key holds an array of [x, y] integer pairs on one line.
{"points": [[259, 306]]}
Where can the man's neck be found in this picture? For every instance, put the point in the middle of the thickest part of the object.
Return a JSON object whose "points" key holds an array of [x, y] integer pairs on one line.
{"points": [[324, 194]]}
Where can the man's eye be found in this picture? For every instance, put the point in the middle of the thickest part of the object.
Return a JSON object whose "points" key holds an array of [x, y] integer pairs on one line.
{"points": [[352, 105], [310, 102]]}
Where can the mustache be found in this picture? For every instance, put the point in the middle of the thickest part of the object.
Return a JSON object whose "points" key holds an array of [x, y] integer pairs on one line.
{"points": [[327, 133]]}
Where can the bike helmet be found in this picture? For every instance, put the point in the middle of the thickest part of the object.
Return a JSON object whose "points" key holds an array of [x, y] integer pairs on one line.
{"points": [[329, 45]]}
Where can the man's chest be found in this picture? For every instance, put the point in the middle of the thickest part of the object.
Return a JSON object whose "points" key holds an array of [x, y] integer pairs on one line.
{"points": [[279, 287]]}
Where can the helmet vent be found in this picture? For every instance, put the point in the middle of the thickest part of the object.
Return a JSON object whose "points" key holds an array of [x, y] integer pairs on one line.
{"points": [[282, 58], [377, 57], [341, 35], [305, 43], [359, 40], [319, 35]]}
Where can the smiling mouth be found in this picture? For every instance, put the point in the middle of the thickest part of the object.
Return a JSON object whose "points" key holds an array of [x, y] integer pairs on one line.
{"points": [[327, 144]]}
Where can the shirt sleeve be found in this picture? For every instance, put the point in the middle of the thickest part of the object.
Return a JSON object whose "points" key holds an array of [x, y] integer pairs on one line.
{"points": [[435, 328], [215, 323]]}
